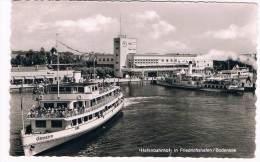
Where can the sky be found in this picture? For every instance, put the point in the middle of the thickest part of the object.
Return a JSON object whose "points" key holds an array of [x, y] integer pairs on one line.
{"points": [[159, 27]]}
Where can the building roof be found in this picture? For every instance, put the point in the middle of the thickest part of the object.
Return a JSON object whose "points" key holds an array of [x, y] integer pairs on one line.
{"points": [[28, 68], [168, 54], [181, 55]]}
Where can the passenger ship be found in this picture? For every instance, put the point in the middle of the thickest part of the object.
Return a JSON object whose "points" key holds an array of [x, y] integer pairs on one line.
{"points": [[67, 111], [202, 82]]}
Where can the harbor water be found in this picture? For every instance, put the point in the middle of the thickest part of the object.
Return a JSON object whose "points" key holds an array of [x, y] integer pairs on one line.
{"points": [[156, 118]]}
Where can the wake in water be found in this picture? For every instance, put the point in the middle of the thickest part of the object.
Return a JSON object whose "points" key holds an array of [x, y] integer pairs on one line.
{"points": [[135, 100]]}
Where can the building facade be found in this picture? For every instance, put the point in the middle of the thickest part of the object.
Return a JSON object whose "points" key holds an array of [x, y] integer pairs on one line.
{"points": [[122, 48], [126, 61], [105, 60]]}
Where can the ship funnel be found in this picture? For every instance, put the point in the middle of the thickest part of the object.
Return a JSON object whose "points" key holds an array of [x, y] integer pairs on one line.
{"points": [[76, 76], [190, 68]]}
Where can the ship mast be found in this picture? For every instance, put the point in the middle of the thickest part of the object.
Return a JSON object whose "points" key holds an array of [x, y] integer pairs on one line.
{"points": [[58, 79]]}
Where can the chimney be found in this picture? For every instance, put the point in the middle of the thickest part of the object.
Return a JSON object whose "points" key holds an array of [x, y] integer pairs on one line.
{"points": [[190, 68], [76, 76]]}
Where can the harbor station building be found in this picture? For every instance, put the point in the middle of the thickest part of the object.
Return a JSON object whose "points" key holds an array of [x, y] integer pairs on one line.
{"points": [[126, 60]]}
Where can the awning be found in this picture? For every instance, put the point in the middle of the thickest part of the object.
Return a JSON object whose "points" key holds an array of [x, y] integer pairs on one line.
{"points": [[28, 77], [39, 77], [49, 76], [18, 78]]}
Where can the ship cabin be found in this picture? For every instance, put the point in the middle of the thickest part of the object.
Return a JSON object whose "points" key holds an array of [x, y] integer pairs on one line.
{"points": [[77, 104], [220, 83]]}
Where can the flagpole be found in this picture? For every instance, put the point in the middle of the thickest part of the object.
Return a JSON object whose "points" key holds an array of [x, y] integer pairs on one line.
{"points": [[21, 95]]}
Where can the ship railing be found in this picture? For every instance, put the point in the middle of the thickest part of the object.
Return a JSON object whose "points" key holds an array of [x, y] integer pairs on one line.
{"points": [[105, 89], [64, 112]]}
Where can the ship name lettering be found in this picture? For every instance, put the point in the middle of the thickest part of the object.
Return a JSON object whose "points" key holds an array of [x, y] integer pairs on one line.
{"points": [[44, 137]]}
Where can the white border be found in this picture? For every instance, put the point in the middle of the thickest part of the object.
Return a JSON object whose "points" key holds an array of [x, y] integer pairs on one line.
{"points": [[5, 34]]}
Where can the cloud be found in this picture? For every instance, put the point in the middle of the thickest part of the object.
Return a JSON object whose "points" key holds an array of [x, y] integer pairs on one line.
{"points": [[91, 24], [248, 31], [146, 16], [37, 26], [177, 46], [161, 28], [150, 22]]}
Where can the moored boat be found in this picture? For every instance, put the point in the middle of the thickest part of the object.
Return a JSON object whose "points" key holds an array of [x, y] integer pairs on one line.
{"points": [[67, 111], [202, 82]]}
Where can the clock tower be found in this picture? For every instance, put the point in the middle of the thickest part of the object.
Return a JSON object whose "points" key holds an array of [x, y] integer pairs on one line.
{"points": [[122, 48]]}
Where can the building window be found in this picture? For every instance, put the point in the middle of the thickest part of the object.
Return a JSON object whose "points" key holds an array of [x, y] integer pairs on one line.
{"points": [[162, 60], [117, 62], [117, 47], [40, 123], [99, 59], [104, 59], [108, 59], [166, 60], [116, 54], [117, 41], [171, 60], [116, 69], [112, 59], [56, 124]]}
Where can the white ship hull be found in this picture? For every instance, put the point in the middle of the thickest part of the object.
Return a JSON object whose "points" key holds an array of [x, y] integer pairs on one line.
{"points": [[200, 87], [34, 144]]}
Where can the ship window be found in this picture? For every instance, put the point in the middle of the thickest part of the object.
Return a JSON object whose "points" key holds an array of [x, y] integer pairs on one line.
{"points": [[47, 105], [85, 118], [56, 124], [62, 104], [62, 89], [40, 123], [79, 120], [80, 89], [74, 122], [68, 89], [97, 114], [54, 89], [78, 104]]}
